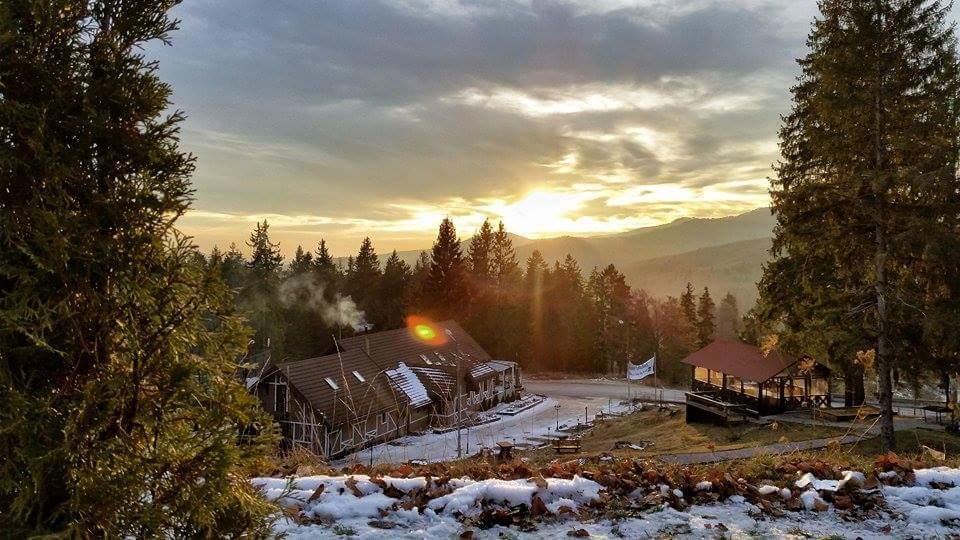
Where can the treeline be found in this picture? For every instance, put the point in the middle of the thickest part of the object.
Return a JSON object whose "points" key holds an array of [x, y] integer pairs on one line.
{"points": [[548, 316]]}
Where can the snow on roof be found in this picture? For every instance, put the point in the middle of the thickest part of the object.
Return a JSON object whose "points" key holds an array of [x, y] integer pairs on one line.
{"points": [[502, 365], [481, 370], [405, 380]]}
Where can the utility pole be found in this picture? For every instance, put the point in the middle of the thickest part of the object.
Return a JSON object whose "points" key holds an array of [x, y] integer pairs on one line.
{"points": [[458, 403]]}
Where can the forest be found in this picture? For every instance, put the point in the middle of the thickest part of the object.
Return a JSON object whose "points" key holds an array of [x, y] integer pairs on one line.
{"points": [[550, 316]]}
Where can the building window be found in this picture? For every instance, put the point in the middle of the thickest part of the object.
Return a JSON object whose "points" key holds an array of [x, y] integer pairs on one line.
{"points": [[332, 384], [359, 376]]}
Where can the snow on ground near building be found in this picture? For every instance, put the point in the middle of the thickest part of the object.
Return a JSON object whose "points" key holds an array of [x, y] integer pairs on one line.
{"points": [[361, 507], [523, 428], [531, 426]]}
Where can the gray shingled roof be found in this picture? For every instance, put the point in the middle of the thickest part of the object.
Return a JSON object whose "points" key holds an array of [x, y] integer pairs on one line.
{"points": [[371, 356]]}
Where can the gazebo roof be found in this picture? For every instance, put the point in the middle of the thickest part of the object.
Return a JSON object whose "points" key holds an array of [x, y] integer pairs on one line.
{"points": [[740, 360]]}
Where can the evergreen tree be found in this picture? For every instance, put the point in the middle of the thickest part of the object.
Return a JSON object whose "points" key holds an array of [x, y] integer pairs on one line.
{"points": [[418, 281], [233, 268], [688, 304], [117, 350], [534, 279], [481, 254], [535, 270], [866, 184], [265, 261], [706, 319], [505, 268], [675, 339], [445, 291], [728, 318], [393, 293], [362, 283], [259, 297], [610, 296], [324, 265], [302, 262]]}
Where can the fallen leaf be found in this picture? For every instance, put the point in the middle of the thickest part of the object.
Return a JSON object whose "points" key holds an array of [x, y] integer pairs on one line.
{"points": [[317, 492]]}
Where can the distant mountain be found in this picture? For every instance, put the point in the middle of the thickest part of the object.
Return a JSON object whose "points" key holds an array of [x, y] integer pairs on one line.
{"points": [[735, 267], [725, 254], [679, 236]]}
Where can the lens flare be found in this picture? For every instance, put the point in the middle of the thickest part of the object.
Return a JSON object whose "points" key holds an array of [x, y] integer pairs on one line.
{"points": [[423, 329]]}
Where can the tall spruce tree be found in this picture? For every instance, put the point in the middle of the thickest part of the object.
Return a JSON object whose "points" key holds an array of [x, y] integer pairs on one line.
{"points": [[866, 185], [302, 262], [324, 265], [610, 295], [481, 254], [728, 318], [117, 351], [688, 303], [259, 298], [505, 268], [393, 293], [706, 319], [446, 293]]}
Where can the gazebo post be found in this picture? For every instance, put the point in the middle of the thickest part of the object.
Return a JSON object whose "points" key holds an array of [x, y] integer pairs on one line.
{"points": [[760, 407]]}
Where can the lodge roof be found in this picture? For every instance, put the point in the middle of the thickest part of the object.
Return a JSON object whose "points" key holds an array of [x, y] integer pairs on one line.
{"points": [[365, 372], [740, 360]]}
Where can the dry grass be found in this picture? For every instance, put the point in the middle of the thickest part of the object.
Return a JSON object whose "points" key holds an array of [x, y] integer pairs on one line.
{"points": [[671, 434]]}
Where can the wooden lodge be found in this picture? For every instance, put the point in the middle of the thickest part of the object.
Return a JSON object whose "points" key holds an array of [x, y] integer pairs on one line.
{"points": [[732, 380], [380, 386]]}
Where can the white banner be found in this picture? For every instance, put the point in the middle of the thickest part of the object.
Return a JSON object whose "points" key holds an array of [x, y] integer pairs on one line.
{"points": [[636, 372]]}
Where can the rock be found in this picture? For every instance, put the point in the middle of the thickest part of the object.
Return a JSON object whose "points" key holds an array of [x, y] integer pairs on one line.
{"points": [[842, 502], [579, 533]]}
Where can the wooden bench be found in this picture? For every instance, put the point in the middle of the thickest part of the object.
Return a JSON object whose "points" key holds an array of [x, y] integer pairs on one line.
{"points": [[564, 445]]}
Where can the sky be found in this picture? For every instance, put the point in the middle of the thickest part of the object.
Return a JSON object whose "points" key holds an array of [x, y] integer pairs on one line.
{"points": [[343, 119]]}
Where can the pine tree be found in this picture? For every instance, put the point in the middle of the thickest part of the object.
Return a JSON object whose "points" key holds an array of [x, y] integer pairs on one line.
{"points": [[535, 271], [393, 293], [324, 265], [265, 261], [259, 297], [534, 279], [233, 268], [418, 281], [117, 351], [706, 319], [505, 268], [866, 185], [728, 318], [481, 254], [610, 295], [302, 262], [688, 304], [445, 291]]}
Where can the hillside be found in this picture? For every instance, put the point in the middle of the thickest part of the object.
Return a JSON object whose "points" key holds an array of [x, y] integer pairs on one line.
{"points": [[734, 267], [680, 236]]}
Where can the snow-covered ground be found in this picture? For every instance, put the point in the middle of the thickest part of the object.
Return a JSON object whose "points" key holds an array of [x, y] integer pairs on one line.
{"points": [[528, 427], [373, 508]]}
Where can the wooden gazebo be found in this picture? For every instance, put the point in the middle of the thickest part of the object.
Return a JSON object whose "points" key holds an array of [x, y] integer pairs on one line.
{"points": [[731, 372]]}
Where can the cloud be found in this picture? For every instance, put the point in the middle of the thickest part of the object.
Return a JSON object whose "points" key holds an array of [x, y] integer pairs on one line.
{"points": [[382, 116]]}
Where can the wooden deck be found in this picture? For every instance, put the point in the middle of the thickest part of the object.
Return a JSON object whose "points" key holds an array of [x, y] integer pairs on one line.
{"points": [[706, 407]]}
